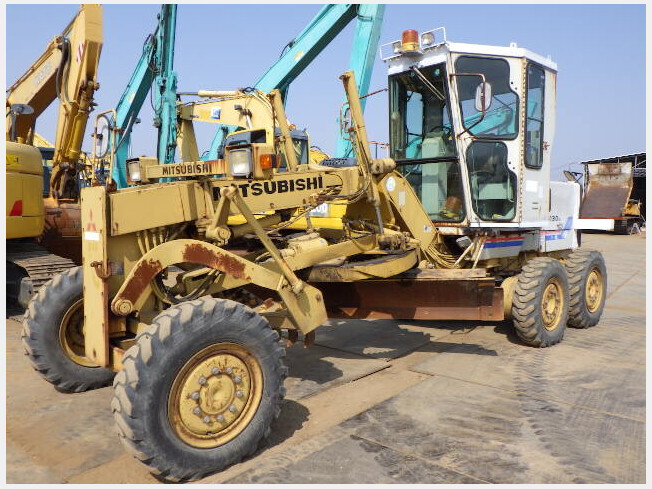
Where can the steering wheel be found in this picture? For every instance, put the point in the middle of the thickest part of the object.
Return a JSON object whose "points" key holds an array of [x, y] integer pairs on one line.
{"points": [[482, 173], [445, 130], [479, 173]]}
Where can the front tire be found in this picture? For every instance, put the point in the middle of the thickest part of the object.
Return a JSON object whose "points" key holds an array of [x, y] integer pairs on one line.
{"points": [[53, 336], [587, 279], [199, 389], [540, 303]]}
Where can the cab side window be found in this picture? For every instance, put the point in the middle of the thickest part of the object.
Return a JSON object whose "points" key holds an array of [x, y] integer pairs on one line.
{"points": [[534, 120], [500, 120], [493, 186]]}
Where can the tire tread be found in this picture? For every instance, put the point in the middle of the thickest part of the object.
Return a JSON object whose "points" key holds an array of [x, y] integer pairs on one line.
{"points": [[161, 335]]}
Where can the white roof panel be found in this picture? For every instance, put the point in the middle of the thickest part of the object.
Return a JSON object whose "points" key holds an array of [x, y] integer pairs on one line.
{"points": [[437, 53]]}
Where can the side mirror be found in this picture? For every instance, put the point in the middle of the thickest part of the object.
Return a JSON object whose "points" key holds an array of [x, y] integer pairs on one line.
{"points": [[14, 111], [346, 122], [102, 136], [483, 97], [572, 176]]}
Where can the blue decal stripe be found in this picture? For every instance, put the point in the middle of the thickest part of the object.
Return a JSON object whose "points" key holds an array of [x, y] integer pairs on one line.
{"points": [[503, 244], [563, 233]]}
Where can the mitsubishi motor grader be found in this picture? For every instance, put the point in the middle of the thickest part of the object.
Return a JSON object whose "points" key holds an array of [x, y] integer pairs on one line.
{"points": [[186, 283]]}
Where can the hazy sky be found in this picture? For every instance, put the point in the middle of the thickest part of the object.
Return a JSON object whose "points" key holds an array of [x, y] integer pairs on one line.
{"points": [[599, 49]]}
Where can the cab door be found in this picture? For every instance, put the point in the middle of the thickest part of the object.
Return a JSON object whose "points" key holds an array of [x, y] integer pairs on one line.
{"points": [[489, 108]]}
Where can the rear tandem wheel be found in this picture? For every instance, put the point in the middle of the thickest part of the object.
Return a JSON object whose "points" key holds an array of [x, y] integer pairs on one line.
{"points": [[540, 303], [587, 279]]}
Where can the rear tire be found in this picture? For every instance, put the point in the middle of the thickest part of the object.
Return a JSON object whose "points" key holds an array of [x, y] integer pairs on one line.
{"points": [[624, 226], [587, 279], [540, 303], [53, 336], [199, 389]]}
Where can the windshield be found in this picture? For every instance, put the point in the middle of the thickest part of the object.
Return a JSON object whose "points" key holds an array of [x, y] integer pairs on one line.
{"points": [[420, 121], [422, 140]]}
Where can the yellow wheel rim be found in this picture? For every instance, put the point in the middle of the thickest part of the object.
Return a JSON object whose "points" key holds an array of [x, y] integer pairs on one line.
{"points": [[594, 290], [71, 334], [215, 395], [552, 304]]}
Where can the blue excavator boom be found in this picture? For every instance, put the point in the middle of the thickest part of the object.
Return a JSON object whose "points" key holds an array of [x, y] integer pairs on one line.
{"points": [[311, 41], [153, 71]]}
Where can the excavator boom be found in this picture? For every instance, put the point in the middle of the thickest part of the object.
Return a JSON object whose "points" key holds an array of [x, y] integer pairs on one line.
{"points": [[311, 41], [154, 69], [67, 70]]}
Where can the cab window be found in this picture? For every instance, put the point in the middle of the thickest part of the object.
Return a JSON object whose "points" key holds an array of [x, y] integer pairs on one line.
{"points": [[493, 185], [536, 78], [500, 119], [422, 140], [439, 187], [420, 120]]}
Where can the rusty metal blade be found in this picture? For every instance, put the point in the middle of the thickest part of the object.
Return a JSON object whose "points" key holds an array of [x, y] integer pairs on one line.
{"points": [[608, 190], [415, 298]]}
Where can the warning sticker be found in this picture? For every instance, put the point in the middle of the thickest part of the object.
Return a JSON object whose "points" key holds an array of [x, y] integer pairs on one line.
{"points": [[91, 223]]}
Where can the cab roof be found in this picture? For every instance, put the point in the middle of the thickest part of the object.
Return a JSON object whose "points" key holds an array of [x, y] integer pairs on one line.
{"points": [[436, 52]]}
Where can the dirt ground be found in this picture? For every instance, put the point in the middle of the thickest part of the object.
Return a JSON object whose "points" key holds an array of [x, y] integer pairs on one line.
{"points": [[388, 401]]}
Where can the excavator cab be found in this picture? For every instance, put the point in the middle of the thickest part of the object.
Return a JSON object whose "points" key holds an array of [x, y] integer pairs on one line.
{"points": [[471, 127]]}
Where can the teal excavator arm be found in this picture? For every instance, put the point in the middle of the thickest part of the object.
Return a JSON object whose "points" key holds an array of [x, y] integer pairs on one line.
{"points": [[153, 71], [304, 48]]}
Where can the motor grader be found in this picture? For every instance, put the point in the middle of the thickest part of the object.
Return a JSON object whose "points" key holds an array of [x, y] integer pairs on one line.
{"points": [[186, 304]]}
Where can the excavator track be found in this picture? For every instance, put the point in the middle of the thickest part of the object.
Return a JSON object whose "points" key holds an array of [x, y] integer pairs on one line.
{"points": [[29, 267]]}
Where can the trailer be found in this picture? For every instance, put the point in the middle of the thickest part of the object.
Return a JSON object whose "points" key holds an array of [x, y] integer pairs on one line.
{"points": [[614, 193]]}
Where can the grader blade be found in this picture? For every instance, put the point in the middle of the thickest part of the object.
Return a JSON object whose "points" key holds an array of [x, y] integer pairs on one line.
{"points": [[424, 294]]}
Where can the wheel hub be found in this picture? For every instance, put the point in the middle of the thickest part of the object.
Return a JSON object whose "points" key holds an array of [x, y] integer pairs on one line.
{"points": [[593, 292], [552, 304], [215, 395], [71, 334]]}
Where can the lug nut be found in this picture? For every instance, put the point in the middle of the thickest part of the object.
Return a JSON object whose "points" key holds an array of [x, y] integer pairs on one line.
{"points": [[206, 419], [196, 411], [202, 380], [220, 418], [229, 370], [238, 394], [237, 379], [232, 408], [195, 395], [215, 371]]}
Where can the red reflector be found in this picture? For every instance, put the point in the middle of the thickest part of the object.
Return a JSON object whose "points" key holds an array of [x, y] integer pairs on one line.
{"points": [[17, 209]]}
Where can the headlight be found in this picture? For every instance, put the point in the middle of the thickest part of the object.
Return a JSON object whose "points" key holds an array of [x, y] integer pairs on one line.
{"points": [[427, 38], [133, 167], [240, 162]]}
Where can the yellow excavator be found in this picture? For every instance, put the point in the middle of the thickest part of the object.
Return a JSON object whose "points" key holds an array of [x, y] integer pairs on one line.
{"points": [[67, 71]]}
